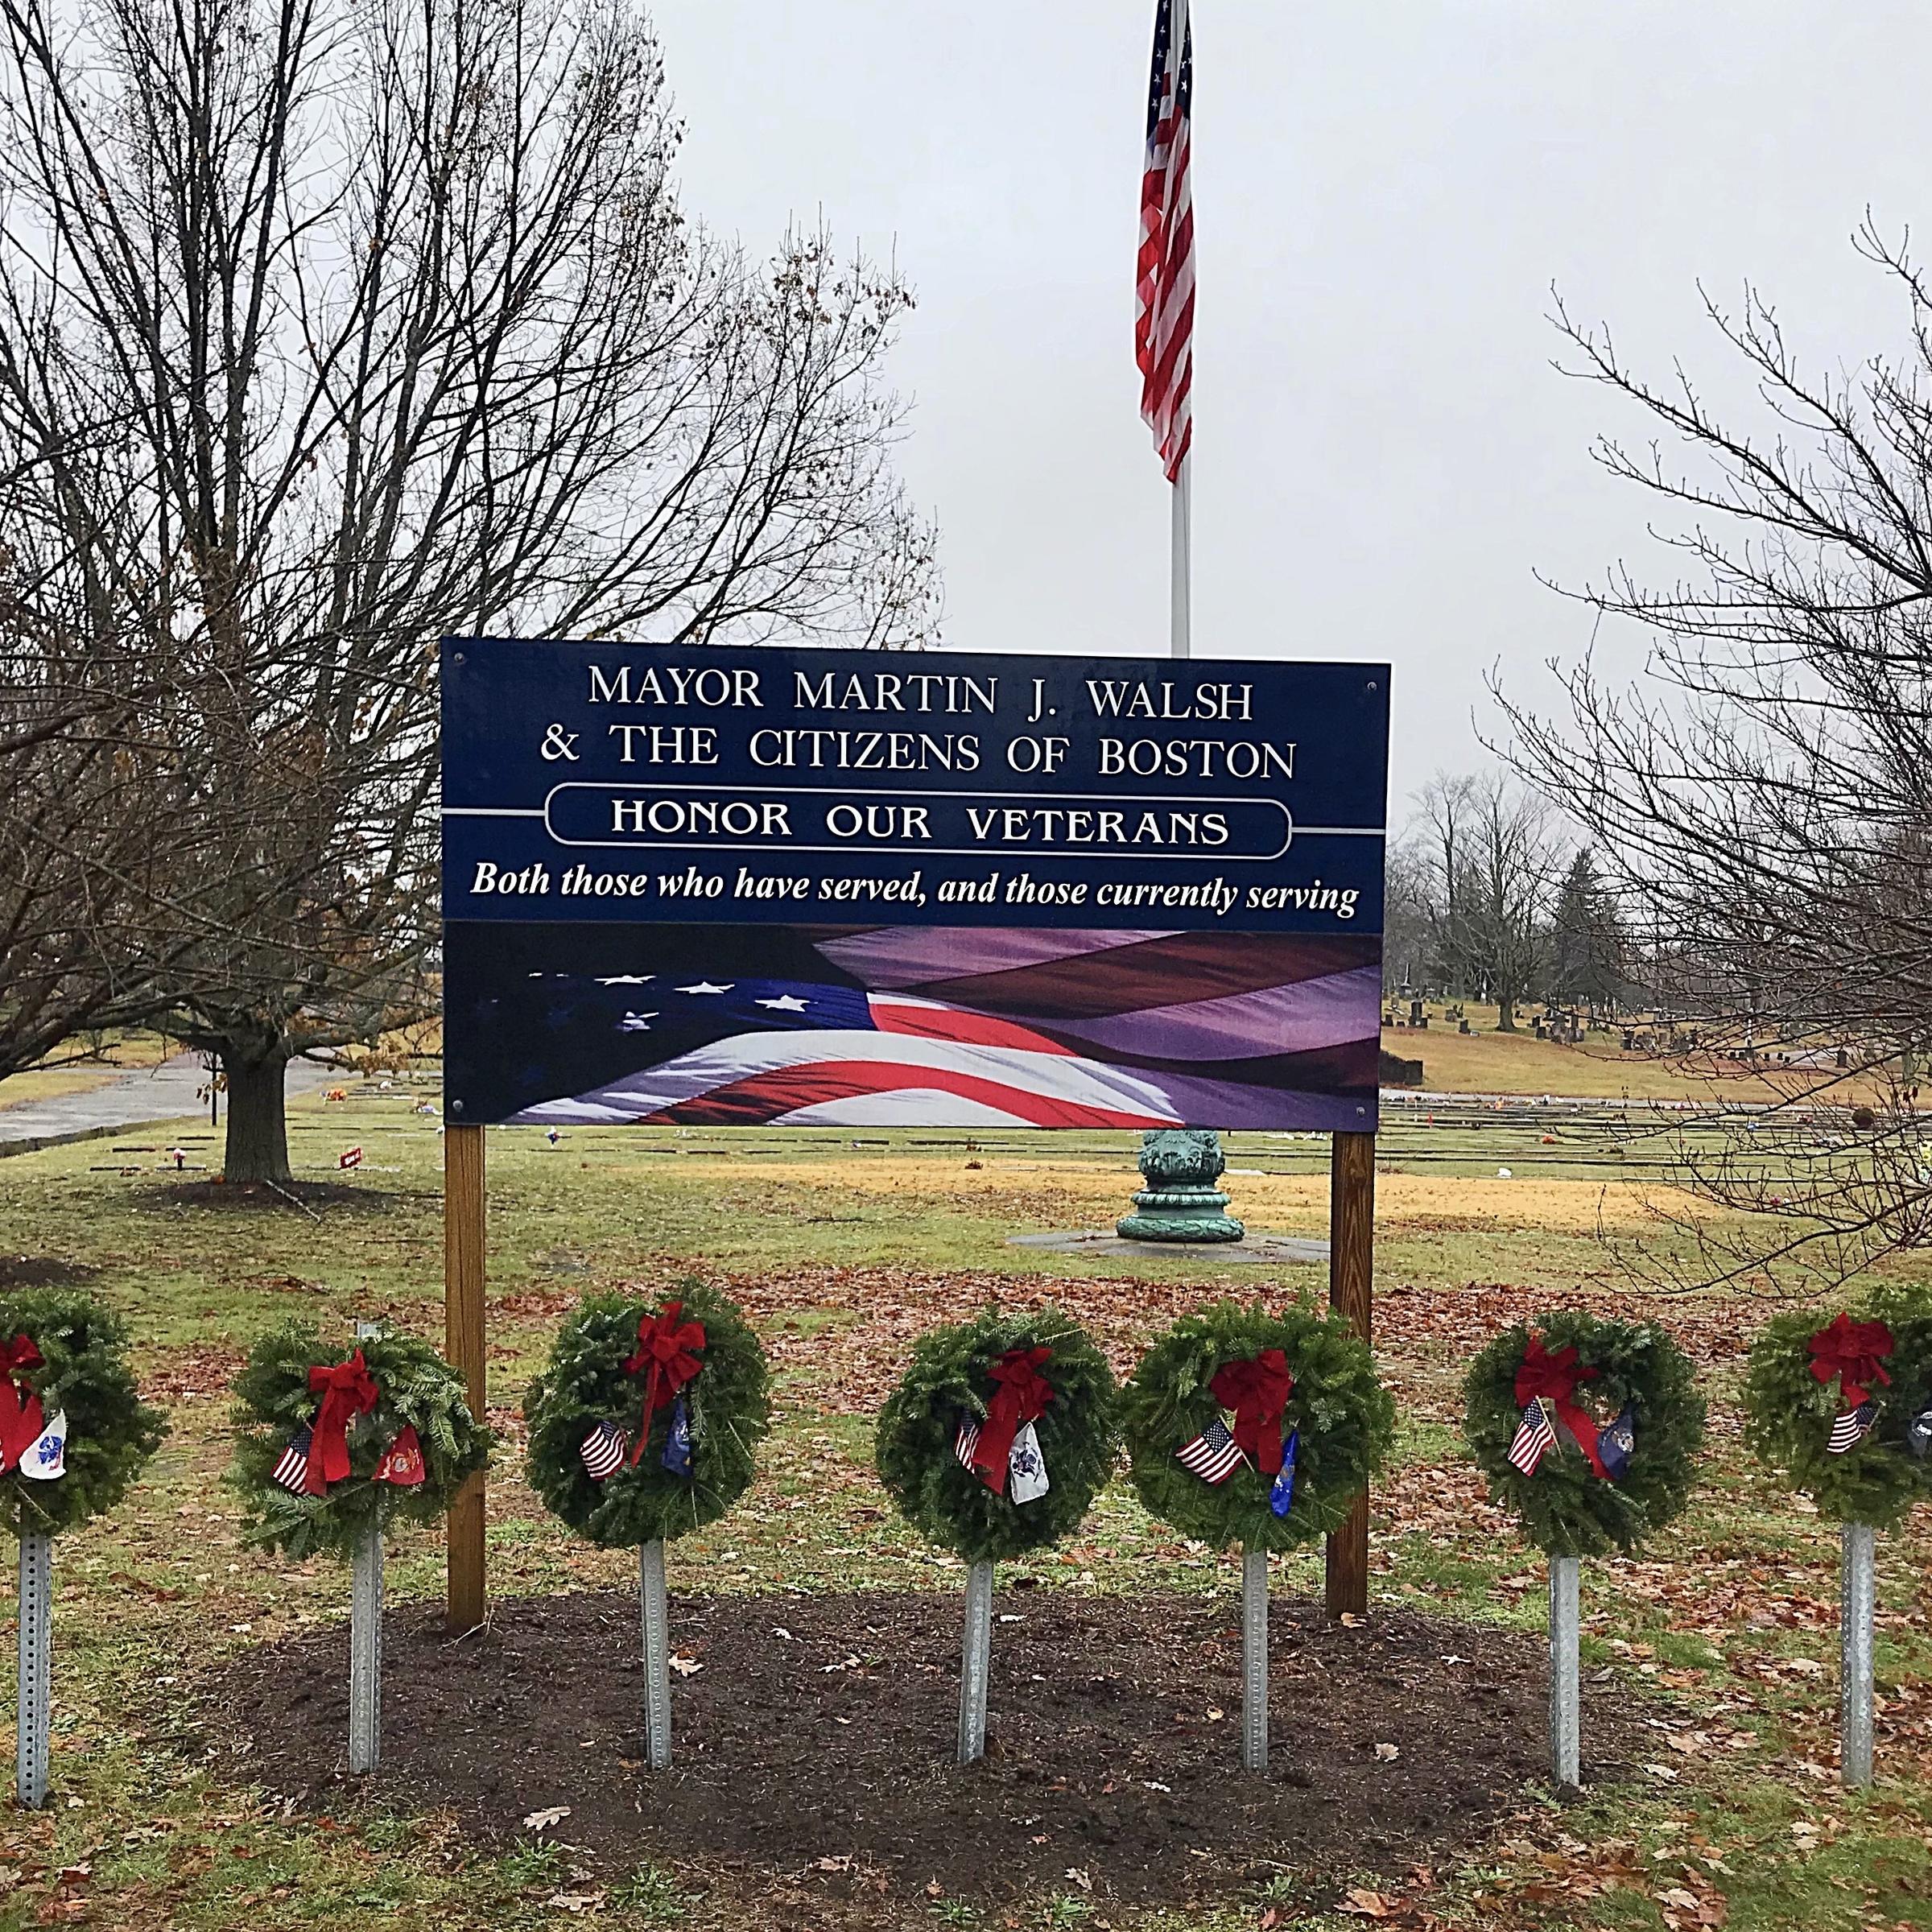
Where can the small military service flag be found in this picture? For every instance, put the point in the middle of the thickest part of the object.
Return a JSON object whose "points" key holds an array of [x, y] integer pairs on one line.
{"points": [[1918, 1433], [45, 1457], [604, 1451], [1280, 1496], [1213, 1455], [1851, 1428], [402, 1462], [677, 1444], [292, 1471], [1026, 1467], [1534, 1437], [1617, 1444], [349, 1157]]}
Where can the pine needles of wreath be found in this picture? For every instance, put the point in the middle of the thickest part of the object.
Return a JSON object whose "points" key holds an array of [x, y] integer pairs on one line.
{"points": [[585, 1384], [416, 1388], [1565, 1508], [948, 1379], [85, 1374], [1788, 1414], [1344, 1418]]}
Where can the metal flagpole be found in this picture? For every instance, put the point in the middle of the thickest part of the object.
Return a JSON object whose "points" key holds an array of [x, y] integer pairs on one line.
{"points": [[1180, 576]]}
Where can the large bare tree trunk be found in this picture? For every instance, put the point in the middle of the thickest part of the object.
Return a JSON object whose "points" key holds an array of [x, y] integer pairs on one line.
{"points": [[258, 1118]]}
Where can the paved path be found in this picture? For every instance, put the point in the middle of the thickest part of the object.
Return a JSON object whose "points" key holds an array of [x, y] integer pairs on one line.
{"points": [[145, 1098]]}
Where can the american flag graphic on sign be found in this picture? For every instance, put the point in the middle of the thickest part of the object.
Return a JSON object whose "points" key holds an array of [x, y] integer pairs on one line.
{"points": [[291, 1469], [1851, 1428], [1163, 296], [954, 1026], [604, 1451], [1213, 1455], [1535, 1437]]}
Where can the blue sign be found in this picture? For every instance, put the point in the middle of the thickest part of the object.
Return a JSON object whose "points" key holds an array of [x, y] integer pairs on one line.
{"points": [[688, 884]]}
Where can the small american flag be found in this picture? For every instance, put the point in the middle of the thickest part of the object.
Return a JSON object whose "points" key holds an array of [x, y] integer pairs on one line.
{"points": [[1163, 296], [1851, 1428], [1534, 1437], [604, 1451], [292, 1471], [1213, 1455], [966, 1441]]}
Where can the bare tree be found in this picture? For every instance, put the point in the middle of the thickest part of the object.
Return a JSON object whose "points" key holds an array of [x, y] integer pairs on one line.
{"points": [[95, 823], [325, 334], [1764, 802], [1494, 862]]}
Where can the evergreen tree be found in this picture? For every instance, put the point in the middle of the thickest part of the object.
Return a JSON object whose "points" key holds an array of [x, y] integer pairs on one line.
{"points": [[1586, 943]]}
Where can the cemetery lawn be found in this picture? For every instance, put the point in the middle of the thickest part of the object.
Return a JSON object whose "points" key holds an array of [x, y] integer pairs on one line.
{"points": [[1711, 1664], [1485, 1061]]}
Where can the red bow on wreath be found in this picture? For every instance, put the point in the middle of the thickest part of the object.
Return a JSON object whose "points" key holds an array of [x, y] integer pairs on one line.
{"points": [[347, 1391], [1021, 1396], [21, 1420], [668, 1347], [1257, 1391], [1854, 1352], [1554, 1377]]}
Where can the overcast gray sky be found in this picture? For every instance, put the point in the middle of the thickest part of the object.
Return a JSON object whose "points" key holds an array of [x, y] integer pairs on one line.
{"points": [[1384, 195]]}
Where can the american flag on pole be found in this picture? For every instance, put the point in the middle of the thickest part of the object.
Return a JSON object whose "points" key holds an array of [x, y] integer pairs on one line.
{"points": [[604, 1451], [1163, 317], [951, 1027], [1851, 1428], [291, 1467], [1534, 1437], [1213, 1455]]}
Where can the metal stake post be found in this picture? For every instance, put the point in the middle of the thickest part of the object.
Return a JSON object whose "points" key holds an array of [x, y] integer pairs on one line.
{"points": [[366, 1654], [366, 1637], [1566, 1708], [657, 1656], [36, 1666], [975, 1662], [1254, 1659], [1857, 1580]]}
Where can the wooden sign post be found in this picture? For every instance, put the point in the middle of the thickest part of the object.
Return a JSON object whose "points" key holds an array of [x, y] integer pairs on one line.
{"points": [[463, 1229], [1352, 1295]]}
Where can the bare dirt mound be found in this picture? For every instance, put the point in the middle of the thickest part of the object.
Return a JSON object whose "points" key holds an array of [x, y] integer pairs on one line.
{"points": [[815, 1734], [42, 1271]]}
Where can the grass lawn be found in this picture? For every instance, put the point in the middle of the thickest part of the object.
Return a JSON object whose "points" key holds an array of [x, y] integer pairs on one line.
{"points": [[1722, 1641], [1485, 1061]]}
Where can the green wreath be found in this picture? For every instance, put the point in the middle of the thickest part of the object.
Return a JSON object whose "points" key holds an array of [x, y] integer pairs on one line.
{"points": [[1337, 1421], [409, 1446], [63, 1361], [654, 1490], [1905, 1420], [951, 1387], [1789, 1413], [1625, 1372]]}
